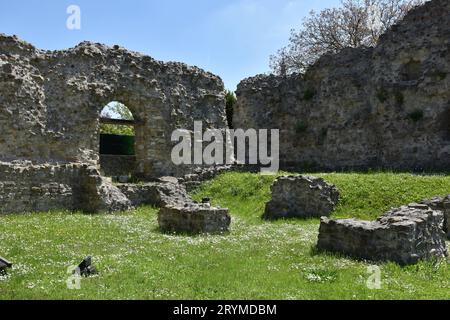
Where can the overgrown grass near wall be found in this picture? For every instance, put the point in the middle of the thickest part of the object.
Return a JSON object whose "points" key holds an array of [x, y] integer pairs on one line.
{"points": [[257, 260], [363, 195]]}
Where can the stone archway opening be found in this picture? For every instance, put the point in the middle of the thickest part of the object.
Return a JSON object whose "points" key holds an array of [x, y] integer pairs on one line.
{"points": [[117, 142]]}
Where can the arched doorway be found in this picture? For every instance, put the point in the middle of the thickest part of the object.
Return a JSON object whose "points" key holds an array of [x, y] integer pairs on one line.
{"points": [[117, 142]]}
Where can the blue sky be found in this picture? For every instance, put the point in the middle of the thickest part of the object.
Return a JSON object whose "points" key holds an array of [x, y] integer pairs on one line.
{"points": [[232, 39]]}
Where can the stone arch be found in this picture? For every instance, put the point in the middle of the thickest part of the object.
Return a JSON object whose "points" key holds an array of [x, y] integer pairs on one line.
{"points": [[117, 143], [151, 128]]}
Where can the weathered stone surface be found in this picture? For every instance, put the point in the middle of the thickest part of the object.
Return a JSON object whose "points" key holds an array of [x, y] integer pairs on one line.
{"points": [[386, 106], [301, 197], [194, 219], [117, 166], [50, 103], [441, 204], [193, 180], [35, 188], [107, 198], [158, 194], [178, 213], [404, 235]]}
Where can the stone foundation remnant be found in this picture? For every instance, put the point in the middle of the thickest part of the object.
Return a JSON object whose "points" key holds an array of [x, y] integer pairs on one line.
{"points": [[50, 115], [160, 193], [179, 213], [301, 197], [194, 218], [441, 204], [404, 235], [25, 187]]}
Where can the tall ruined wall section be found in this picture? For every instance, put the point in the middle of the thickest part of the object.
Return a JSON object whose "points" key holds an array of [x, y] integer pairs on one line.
{"points": [[387, 106], [50, 103]]}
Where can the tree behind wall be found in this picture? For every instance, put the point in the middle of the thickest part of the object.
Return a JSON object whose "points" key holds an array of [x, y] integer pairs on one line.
{"points": [[355, 23], [230, 103]]}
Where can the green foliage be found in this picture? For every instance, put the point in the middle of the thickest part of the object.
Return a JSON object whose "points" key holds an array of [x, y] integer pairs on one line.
{"points": [[117, 110], [363, 195], [231, 101], [301, 127], [416, 115], [115, 129], [257, 260]]}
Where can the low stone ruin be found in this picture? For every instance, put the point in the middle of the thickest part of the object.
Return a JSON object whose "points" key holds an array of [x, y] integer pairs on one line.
{"points": [[381, 107], [160, 193], [25, 187], [80, 187], [179, 213], [404, 235], [50, 116], [301, 197], [441, 204], [193, 218]]}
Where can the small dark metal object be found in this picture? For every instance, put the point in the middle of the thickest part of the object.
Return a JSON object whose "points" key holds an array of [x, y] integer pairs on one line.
{"points": [[4, 264], [86, 268], [206, 200]]}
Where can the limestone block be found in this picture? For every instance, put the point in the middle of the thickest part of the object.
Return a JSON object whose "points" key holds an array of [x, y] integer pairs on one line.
{"points": [[301, 197], [404, 235], [194, 219]]}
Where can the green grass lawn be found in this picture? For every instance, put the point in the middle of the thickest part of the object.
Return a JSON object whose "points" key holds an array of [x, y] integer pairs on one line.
{"points": [[257, 260]]}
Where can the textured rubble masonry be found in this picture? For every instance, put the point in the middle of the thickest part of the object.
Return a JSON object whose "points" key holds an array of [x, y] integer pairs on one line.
{"points": [[116, 166], [301, 197], [404, 235], [158, 194], [36, 188], [362, 108], [194, 219], [50, 103], [441, 204], [178, 213]]}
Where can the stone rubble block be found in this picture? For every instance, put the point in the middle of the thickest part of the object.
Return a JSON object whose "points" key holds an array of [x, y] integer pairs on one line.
{"points": [[194, 219], [301, 197], [441, 204], [160, 194], [404, 235]]}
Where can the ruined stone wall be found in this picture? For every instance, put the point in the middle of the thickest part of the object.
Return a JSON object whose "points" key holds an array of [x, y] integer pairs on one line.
{"points": [[387, 106], [116, 166], [50, 103], [25, 187]]}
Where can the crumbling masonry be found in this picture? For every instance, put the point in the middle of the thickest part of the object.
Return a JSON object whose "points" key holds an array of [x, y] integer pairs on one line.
{"points": [[382, 107], [50, 104]]}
